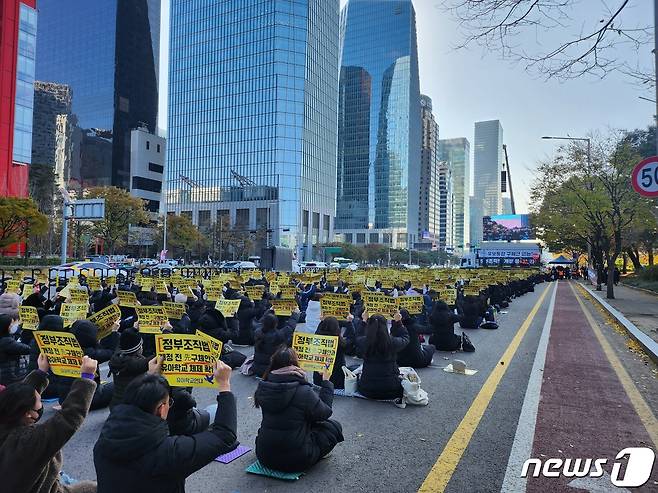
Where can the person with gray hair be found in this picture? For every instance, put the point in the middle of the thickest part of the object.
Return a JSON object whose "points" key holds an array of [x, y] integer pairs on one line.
{"points": [[9, 303]]}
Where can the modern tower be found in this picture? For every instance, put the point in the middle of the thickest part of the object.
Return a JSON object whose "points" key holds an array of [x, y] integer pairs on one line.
{"points": [[107, 52], [252, 124], [379, 124], [429, 193], [457, 152], [18, 30], [488, 164]]}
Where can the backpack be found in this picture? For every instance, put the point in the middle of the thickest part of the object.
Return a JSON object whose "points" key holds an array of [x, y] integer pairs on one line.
{"points": [[467, 345]]}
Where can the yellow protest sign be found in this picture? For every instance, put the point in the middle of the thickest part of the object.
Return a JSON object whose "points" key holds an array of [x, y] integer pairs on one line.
{"points": [[413, 304], [111, 280], [385, 306], [228, 308], [188, 359], [315, 352], [94, 283], [274, 288], [174, 310], [104, 320], [334, 307], [63, 351], [127, 299], [146, 283], [215, 344], [284, 307], [78, 296], [288, 292], [71, 312], [28, 289], [255, 292], [13, 286], [151, 318], [213, 293], [28, 317]]}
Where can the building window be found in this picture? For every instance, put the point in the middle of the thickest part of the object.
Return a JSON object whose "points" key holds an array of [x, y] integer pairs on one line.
{"points": [[148, 145], [374, 237], [156, 168], [204, 220], [360, 237], [348, 237], [387, 238], [242, 219], [147, 184], [158, 147]]}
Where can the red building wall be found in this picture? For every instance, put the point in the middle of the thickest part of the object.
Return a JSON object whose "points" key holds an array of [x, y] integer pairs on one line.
{"points": [[13, 177]]}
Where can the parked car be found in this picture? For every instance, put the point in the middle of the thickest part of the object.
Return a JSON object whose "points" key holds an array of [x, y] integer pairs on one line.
{"points": [[239, 265], [72, 269]]}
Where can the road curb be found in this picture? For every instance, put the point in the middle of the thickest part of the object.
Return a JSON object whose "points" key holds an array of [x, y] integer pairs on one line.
{"points": [[649, 346]]}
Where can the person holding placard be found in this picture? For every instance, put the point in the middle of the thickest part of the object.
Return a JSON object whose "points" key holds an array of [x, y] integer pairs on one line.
{"points": [[269, 337], [442, 322], [31, 457], [296, 431], [380, 377], [414, 354], [329, 326], [213, 323], [13, 365], [135, 452]]}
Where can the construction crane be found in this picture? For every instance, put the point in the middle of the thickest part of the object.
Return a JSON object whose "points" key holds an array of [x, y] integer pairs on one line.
{"points": [[189, 182], [509, 180], [242, 180]]}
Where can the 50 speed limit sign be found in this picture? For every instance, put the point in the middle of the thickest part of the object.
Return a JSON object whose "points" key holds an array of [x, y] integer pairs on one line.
{"points": [[645, 177]]}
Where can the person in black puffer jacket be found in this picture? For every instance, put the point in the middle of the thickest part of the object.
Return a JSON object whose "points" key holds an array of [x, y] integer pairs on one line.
{"points": [[296, 431], [268, 338], [85, 333], [127, 363], [246, 314], [473, 309], [135, 452], [380, 377], [13, 364], [442, 321], [414, 354], [213, 323]]}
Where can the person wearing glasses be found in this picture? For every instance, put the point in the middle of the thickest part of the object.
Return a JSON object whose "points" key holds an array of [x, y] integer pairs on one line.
{"points": [[135, 452], [31, 450]]}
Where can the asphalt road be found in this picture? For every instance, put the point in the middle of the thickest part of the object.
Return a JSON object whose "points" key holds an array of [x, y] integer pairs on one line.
{"points": [[391, 449]]}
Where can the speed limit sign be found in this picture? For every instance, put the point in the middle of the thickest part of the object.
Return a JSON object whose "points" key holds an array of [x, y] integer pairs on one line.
{"points": [[645, 177]]}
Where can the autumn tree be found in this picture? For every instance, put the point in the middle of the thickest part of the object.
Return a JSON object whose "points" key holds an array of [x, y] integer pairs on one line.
{"points": [[183, 237], [19, 219], [121, 210]]}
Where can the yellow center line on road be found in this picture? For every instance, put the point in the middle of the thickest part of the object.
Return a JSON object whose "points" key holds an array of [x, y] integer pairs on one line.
{"points": [[639, 404], [441, 473]]}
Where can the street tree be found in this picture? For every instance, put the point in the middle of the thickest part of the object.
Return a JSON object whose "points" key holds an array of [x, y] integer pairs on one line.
{"points": [[121, 210], [560, 38], [19, 219], [183, 237]]}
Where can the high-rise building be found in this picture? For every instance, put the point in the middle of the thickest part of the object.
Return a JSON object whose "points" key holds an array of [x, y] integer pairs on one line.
{"points": [[475, 227], [107, 53], [487, 167], [429, 196], [252, 116], [379, 134], [18, 31], [445, 209], [456, 152]]}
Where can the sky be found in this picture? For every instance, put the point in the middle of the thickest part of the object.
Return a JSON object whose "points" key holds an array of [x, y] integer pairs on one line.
{"points": [[470, 85]]}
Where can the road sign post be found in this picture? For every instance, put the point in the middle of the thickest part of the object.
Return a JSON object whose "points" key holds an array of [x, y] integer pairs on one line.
{"points": [[644, 179], [82, 210]]}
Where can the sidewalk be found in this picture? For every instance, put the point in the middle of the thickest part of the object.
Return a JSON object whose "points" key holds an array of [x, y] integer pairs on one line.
{"points": [[637, 306]]}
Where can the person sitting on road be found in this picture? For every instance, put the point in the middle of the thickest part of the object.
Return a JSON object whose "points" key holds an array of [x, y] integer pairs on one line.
{"points": [[269, 337], [472, 311], [380, 377], [247, 311], [329, 326], [31, 457], [414, 354], [13, 364], [296, 431], [127, 363], [135, 452], [213, 323], [442, 320]]}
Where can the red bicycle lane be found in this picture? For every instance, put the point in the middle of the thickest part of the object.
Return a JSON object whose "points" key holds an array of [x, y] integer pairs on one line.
{"points": [[584, 411]]}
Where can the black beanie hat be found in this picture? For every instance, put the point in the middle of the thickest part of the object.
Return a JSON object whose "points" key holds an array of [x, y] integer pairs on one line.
{"points": [[52, 322], [130, 341]]}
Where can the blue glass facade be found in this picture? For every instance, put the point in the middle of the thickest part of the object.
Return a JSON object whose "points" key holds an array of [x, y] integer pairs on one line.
{"points": [[106, 51], [27, 31], [253, 91], [379, 138]]}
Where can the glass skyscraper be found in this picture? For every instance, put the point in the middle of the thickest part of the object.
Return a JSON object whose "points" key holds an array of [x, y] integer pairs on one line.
{"points": [[456, 152], [252, 123], [487, 165], [379, 135], [107, 52]]}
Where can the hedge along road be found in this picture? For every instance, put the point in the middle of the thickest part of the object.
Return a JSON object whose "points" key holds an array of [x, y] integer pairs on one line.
{"points": [[460, 442]]}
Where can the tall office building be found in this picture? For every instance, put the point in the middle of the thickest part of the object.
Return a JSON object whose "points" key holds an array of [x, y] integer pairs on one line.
{"points": [[252, 116], [107, 53], [379, 134], [18, 30], [457, 152], [429, 196], [475, 227], [487, 167], [445, 209]]}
